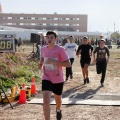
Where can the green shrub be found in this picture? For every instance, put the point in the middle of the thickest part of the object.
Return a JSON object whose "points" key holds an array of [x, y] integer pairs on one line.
{"points": [[3, 65], [6, 82], [23, 71], [12, 57], [20, 81]]}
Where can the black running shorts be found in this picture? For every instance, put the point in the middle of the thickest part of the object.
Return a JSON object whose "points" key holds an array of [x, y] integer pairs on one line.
{"points": [[55, 88], [83, 62]]}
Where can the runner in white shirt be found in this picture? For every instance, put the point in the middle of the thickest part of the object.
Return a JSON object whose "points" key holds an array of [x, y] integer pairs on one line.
{"points": [[71, 48]]}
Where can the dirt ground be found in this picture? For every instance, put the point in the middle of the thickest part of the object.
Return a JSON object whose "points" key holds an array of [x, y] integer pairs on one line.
{"points": [[76, 112]]}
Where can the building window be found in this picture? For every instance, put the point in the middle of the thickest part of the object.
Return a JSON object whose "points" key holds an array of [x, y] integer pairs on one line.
{"points": [[4, 18], [21, 23], [66, 24], [55, 18], [9, 23], [15, 18], [32, 18], [60, 18], [27, 24], [71, 18], [70, 24], [13, 23], [74, 24], [75, 18], [49, 18], [9, 17], [40, 18], [5, 24], [33, 24], [21, 18], [63, 18], [67, 18]]}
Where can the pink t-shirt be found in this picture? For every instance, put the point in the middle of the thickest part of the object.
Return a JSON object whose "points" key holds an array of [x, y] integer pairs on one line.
{"points": [[52, 72]]}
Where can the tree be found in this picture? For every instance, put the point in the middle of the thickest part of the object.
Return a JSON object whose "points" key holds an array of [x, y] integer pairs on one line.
{"points": [[115, 35]]}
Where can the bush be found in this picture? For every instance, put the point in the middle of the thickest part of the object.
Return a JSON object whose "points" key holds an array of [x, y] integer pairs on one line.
{"points": [[6, 82], [12, 57], [23, 71], [20, 81]]}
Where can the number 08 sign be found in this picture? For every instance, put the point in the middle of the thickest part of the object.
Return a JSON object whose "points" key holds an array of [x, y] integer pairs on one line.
{"points": [[7, 45]]}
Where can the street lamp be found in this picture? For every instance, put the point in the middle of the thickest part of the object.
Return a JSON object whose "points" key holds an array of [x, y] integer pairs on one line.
{"points": [[114, 27]]}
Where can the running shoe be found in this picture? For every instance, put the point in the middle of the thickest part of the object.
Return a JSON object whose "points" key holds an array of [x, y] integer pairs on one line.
{"points": [[59, 115], [87, 80], [71, 76], [66, 78], [102, 85]]}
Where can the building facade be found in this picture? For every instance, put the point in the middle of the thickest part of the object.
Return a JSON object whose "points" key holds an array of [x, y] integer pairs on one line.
{"points": [[0, 8], [60, 22]]}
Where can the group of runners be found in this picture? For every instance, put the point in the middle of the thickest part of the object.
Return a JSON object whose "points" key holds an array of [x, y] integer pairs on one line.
{"points": [[54, 57]]}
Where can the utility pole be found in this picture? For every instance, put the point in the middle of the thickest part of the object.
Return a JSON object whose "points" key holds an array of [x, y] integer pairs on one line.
{"points": [[114, 27], [107, 32]]}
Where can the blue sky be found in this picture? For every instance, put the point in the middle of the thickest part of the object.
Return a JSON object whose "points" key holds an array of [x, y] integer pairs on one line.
{"points": [[102, 14]]}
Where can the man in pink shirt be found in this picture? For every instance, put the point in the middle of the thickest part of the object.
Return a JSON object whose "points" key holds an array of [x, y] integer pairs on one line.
{"points": [[53, 59]]}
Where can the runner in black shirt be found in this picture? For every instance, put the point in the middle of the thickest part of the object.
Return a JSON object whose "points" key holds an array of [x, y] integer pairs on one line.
{"points": [[101, 60], [86, 51]]}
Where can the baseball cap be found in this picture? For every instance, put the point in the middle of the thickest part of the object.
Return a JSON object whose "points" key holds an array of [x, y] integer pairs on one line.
{"points": [[102, 40], [71, 36], [85, 37]]}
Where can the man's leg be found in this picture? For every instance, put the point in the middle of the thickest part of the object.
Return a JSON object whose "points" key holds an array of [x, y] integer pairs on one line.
{"points": [[86, 69], [71, 72], [98, 67], [83, 71], [46, 104], [104, 66], [84, 79], [58, 100], [47, 88], [86, 72], [67, 72], [57, 90]]}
